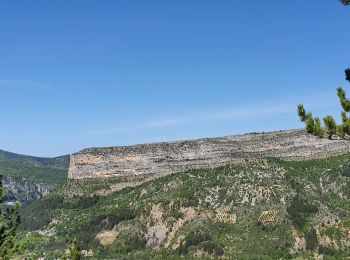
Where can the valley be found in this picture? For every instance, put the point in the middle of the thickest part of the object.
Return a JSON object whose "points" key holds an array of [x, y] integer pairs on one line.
{"points": [[216, 198]]}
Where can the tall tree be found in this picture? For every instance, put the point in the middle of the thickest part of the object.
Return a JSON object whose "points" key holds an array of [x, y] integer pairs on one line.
{"points": [[9, 222], [313, 125], [345, 2]]}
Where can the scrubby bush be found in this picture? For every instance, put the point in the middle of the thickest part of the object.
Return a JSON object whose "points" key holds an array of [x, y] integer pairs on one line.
{"points": [[84, 202], [346, 172], [133, 242], [193, 238], [299, 210], [311, 240], [212, 248], [325, 250]]}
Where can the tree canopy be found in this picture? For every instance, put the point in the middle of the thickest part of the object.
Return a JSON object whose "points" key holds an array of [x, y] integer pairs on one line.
{"points": [[9, 222]]}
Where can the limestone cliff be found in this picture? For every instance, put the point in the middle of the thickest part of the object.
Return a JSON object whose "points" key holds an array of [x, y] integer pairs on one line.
{"points": [[169, 157], [23, 190]]}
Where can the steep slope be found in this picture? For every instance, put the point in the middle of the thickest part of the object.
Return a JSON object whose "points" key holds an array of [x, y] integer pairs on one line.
{"points": [[264, 208], [170, 157], [27, 178]]}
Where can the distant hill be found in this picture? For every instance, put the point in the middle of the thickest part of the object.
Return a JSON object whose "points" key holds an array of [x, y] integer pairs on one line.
{"points": [[27, 177], [61, 162]]}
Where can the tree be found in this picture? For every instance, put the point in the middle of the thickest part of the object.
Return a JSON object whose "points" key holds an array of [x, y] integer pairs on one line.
{"points": [[330, 125], [9, 222], [347, 72], [313, 125], [74, 251], [311, 239]]}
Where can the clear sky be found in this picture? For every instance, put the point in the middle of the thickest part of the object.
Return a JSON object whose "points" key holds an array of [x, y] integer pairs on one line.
{"points": [[75, 74]]}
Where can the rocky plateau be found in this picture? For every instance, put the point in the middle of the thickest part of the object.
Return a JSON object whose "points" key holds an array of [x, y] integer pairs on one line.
{"points": [[169, 157]]}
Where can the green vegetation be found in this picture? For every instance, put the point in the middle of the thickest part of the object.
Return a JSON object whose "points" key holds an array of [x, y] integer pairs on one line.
{"points": [[9, 221], [199, 213], [299, 210], [49, 171], [74, 251], [311, 240], [313, 125], [27, 178]]}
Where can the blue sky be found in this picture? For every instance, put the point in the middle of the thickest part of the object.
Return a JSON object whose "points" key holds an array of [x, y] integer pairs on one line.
{"points": [[75, 74]]}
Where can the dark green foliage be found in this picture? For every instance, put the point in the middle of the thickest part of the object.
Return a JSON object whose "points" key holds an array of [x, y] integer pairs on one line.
{"points": [[113, 219], [196, 237], [302, 113], [200, 239], [331, 126], [311, 240], [9, 222], [212, 248], [38, 213], [347, 71], [345, 103], [87, 232], [310, 123], [133, 242], [299, 210], [325, 250], [318, 131], [346, 2], [346, 171], [83, 202], [193, 238]]}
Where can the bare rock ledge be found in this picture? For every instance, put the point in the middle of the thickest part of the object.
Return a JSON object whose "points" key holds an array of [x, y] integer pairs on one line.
{"points": [[169, 157]]}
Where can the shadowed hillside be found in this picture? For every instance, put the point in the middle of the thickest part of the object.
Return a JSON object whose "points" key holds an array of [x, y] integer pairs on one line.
{"points": [[27, 178]]}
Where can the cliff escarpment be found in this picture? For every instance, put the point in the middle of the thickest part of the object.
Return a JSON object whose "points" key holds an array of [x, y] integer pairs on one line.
{"points": [[170, 157]]}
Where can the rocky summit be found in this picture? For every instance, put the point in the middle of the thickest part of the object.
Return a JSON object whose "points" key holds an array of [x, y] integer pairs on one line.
{"points": [[170, 157]]}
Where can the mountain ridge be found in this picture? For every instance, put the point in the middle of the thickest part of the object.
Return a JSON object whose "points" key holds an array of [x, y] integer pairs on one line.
{"points": [[179, 156], [27, 178]]}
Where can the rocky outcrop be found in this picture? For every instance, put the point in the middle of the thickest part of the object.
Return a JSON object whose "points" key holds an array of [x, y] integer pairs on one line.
{"points": [[169, 157], [23, 190]]}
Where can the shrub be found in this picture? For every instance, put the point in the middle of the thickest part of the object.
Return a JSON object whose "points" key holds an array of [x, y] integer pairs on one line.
{"points": [[135, 242], [346, 172], [86, 202], [193, 238], [212, 248], [331, 126], [310, 123], [325, 250], [300, 210], [311, 239]]}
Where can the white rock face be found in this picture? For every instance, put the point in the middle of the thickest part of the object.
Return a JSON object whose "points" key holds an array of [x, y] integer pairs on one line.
{"points": [[170, 157]]}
